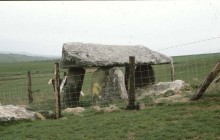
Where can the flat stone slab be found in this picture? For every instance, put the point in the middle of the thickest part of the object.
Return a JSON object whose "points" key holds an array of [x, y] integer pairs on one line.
{"points": [[77, 54], [164, 89], [14, 113]]}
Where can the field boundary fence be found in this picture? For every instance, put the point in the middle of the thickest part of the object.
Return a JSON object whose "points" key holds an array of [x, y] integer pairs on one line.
{"points": [[148, 85]]}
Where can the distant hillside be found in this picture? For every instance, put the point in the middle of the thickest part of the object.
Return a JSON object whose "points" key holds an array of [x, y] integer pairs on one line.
{"points": [[12, 58]]}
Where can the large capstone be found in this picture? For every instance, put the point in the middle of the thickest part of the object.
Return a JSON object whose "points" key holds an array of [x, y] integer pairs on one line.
{"points": [[74, 86], [108, 85], [95, 55]]}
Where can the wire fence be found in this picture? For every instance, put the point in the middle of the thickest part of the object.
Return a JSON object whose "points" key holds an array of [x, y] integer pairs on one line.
{"points": [[14, 90], [106, 86]]}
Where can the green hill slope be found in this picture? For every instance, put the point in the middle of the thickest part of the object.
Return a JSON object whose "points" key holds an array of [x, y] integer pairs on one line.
{"points": [[12, 58]]}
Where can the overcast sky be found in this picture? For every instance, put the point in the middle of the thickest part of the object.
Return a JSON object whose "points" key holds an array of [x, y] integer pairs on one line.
{"points": [[42, 27]]}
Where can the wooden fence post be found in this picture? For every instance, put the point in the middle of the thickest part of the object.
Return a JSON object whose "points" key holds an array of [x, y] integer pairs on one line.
{"points": [[217, 80], [207, 82], [57, 91], [126, 77], [30, 96], [64, 74], [172, 71], [131, 96]]}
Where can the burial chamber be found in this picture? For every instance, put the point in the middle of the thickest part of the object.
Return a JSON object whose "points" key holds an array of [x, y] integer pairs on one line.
{"points": [[112, 83]]}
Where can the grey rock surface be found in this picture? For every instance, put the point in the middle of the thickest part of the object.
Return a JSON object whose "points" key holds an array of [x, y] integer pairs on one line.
{"points": [[74, 110], [11, 112], [108, 85], [114, 87], [163, 89], [98, 82], [78, 54], [47, 114]]}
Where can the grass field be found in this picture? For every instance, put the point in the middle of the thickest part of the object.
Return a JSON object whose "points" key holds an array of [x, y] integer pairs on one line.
{"points": [[13, 58], [188, 68], [191, 120], [13, 82], [195, 120]]}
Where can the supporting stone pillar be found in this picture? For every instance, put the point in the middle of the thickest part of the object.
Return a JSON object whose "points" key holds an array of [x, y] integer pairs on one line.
{"points": [[114, 88], [74, 86], [108, 85], [98, 82]]}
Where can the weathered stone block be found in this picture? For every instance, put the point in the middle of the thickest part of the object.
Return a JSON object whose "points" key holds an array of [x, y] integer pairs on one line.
{"points": [[98, 82], [14, 113], [108, 84]]}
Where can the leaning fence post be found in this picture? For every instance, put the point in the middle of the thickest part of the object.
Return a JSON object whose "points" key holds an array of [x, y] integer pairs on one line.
{"points": [[207, 82], [57, 91], [131, 97], [30, 96]]}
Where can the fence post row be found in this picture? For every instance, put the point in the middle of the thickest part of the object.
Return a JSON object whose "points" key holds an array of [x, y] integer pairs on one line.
{"points": [[57, 91], [131, 96], [30, 96]]}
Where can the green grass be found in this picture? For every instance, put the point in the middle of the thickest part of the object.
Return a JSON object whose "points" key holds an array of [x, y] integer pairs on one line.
{"points": [[14, 58], [195, 120], [23, 67], [191, 69], [13, 83]]}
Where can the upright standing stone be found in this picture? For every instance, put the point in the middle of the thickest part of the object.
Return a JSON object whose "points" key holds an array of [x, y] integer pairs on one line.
{"points": [[98, 82], [74, 86], [114, 87], [109, 85]]}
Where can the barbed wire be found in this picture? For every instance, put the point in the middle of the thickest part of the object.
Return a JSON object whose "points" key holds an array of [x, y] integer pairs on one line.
{"points": [[190, 43]]}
